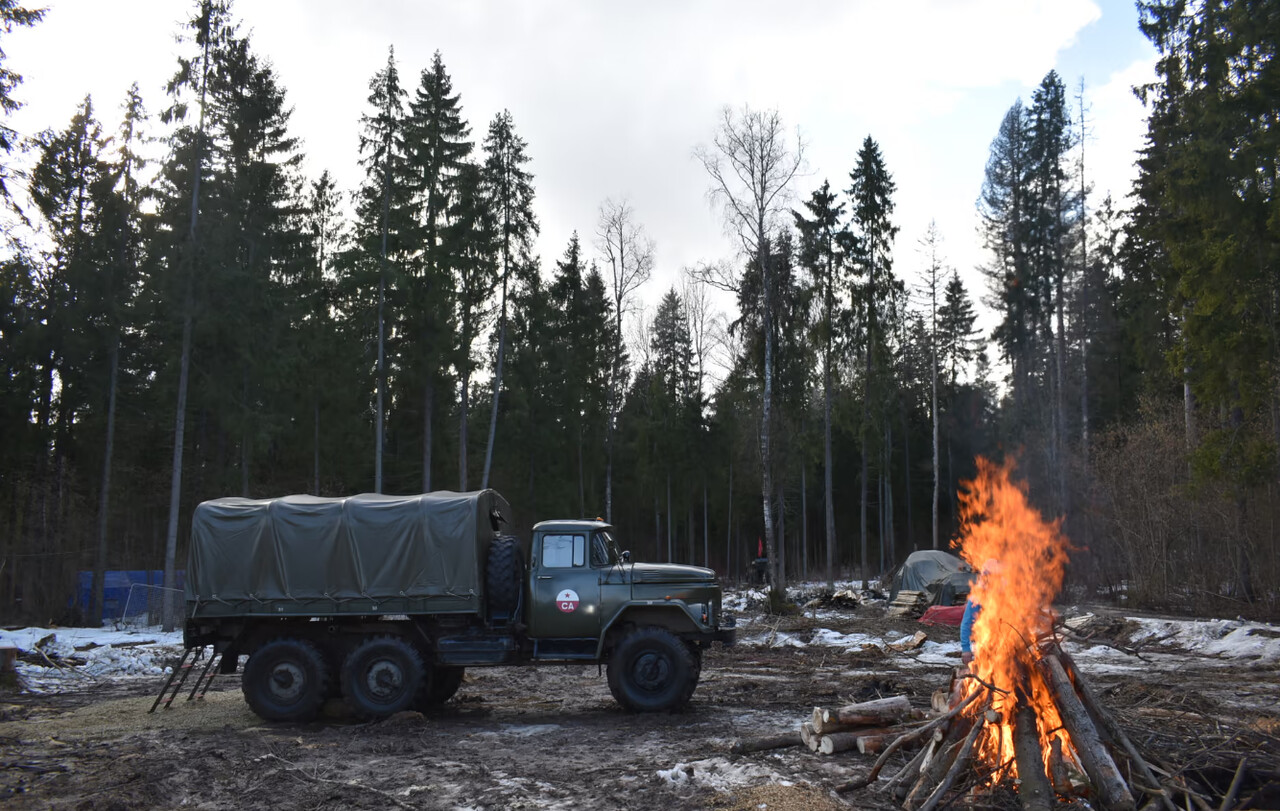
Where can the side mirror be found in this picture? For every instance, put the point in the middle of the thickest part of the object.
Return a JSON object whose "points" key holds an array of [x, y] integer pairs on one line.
{"points": [[626, 556]]}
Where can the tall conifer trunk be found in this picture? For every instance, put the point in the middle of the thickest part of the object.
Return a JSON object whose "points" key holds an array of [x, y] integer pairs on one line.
{"points": [[428, 419], [189, 260], [104, 496]]}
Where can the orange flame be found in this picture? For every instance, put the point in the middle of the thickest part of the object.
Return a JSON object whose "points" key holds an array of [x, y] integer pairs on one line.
{"points": [[1022, 560]]}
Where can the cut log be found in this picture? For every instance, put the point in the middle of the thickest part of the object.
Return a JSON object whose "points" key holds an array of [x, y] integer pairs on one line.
{"points": [[880, 712], [1097, 762], [1113, 730], [873, 744], [1034, 790], [941, 701], [762, 743], [838, 742], [845, 741], [1058, 769], [810, 736], [823, 726]]}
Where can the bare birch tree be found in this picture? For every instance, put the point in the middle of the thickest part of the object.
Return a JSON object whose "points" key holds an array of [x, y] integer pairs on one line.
{"points": [[751, 165], [629, 254], [931, 286]]}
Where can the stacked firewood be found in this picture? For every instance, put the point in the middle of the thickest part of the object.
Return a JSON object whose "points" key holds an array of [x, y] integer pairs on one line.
{"points": [[868, 727]]}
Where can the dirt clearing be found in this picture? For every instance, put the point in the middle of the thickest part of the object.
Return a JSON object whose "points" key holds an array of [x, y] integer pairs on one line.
{"points": [[553, 738]]}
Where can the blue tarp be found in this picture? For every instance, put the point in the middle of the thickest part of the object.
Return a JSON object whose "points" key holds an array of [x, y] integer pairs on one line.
{"points": [[118, 586]]}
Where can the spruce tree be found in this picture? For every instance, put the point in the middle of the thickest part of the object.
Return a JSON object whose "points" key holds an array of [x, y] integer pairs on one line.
{"points": [[383, 227], [437, 142], [871, 195], [1006, 210], [123, 226], [824, 244], [510, 190], [471, 247], [210, 33], [957, 344]]}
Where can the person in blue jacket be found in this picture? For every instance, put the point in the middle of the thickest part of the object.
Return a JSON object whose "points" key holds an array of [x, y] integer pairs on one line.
{"points": [[971, 611]]}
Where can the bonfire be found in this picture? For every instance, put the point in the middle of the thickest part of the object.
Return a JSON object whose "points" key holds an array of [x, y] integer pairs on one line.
{"points": [[1020, 715]]}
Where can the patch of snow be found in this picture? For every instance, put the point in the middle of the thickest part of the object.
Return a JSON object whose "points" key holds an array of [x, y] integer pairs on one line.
{"points": [[835, 639], [1231, 639], [145, 657], [720, 775], [529, 730]]}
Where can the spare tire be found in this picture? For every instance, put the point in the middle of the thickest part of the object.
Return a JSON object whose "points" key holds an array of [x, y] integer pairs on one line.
{"points": [[503, 575]]}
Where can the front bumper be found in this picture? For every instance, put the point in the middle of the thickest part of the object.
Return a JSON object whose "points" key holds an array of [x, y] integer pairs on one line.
{"points": [[727, 633]]}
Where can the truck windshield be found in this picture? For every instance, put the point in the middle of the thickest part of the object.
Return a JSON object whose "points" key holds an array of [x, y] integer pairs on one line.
{"points": [[604, 550]]}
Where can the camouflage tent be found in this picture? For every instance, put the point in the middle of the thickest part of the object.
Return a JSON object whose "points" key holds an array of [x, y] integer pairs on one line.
{"points": [[944, 576]]}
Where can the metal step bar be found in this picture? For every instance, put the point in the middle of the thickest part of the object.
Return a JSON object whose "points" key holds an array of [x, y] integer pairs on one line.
{"points": [[190, 660]]}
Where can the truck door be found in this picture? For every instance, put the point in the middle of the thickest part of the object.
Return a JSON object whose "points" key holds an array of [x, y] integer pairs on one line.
{"points": [[566, 589]]}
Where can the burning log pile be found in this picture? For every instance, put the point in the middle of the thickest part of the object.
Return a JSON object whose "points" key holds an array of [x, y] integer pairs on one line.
{"points": [[1019, 724], [993, 738]]}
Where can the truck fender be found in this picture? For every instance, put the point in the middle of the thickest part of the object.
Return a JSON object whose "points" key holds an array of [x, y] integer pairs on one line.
{"points": [[673, 615]]}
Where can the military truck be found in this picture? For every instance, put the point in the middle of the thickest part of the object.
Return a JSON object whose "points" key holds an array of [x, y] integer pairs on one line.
{"points": [[386, 600]]}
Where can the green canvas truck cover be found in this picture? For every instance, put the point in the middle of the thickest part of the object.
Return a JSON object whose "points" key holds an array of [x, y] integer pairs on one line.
{"points": [[367, 553]]}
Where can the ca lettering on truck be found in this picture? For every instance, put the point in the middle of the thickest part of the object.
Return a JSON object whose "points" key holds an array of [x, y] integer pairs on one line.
{"points": [[567, 601]]}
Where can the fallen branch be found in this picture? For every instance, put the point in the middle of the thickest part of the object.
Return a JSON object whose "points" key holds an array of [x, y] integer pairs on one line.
{"points": [[1230, 799], [297, 771], [913, 767], [961, 763]]}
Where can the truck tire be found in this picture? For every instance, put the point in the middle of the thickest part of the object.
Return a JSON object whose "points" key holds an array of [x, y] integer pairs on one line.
{"points": [[696, 653], [286, 680], [381, 677], [445, 681], [651, 670], [502, 578]]}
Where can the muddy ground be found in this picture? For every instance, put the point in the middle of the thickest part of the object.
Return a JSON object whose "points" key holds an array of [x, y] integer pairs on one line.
{"points": [[552, 738]]}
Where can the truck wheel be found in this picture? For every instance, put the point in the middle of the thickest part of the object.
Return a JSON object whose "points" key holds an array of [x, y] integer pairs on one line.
{"points": [[445, 681], [696, 653], [381, 677], [286, 680], [651, 670], [503, 572]]}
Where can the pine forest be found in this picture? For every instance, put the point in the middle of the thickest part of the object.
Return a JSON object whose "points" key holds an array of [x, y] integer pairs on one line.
{"points": [[185, 315]]}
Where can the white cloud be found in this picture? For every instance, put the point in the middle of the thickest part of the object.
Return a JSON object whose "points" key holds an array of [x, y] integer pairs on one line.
{"points": [[613, 98]]}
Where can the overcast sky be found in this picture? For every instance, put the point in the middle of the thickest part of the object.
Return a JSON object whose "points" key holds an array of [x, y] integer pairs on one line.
{"points": [[612, 98]]}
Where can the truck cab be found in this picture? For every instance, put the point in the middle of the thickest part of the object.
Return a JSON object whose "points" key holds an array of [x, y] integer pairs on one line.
{"points": [[587, 601]]}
